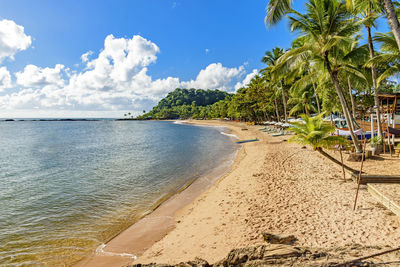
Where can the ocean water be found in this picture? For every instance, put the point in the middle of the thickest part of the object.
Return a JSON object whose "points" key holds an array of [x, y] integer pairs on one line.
{"points": [[67, 187]]}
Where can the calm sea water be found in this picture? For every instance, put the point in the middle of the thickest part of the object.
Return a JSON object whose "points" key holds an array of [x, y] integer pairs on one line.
{"points": [[67, 187]]}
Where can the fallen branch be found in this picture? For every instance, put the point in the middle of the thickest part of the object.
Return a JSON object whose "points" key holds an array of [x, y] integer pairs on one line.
{"points": [[367, 257]]}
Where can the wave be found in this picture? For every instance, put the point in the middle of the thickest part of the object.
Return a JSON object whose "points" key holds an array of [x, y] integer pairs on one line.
{"points": [[100, 251], [180, 122], [231, 135]]}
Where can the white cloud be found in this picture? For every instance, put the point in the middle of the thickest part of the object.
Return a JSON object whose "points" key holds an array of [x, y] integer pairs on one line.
{"points": [[116, 80], [12, 39], [33, 76], [5, 78], [215, 76], [207, 50], [85, 57], [246, 80]]}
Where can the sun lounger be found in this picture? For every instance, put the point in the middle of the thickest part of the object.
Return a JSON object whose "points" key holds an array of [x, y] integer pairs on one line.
{"points": [[279, 134]]}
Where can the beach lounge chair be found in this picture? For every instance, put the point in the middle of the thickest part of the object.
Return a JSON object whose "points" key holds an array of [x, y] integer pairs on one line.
{"points": [[279, 134]]}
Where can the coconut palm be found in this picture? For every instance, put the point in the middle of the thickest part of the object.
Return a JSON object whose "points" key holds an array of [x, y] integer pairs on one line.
{"points": [[317, 133], [302, 101], [390, 59], [368, 11], [327, 26], [271, 58], [392, 18], [277, 9]]}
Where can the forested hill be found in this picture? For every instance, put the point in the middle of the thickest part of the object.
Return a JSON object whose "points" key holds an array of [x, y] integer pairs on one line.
{"points": [[184, 103]]}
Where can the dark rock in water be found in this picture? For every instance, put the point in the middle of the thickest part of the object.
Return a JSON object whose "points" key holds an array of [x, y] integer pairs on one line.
{"points": [[276, 239], [9, 120]]}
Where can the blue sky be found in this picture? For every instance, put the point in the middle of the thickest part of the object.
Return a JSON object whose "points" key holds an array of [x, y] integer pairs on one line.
{"points": [[201, 44]]}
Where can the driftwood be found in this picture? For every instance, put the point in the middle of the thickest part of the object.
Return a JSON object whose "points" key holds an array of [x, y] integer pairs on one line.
{"points": [[346, 263], [377, 179]]}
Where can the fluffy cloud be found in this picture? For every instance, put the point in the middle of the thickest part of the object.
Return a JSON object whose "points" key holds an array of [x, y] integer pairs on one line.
{"points": [[117, 79], [12, 39], [215, 76], [5, 78], [85, 57], [246, 80], [33, 76]]}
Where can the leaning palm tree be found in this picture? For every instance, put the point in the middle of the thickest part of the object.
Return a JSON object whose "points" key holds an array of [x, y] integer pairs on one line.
{"points": [[317, 133]]}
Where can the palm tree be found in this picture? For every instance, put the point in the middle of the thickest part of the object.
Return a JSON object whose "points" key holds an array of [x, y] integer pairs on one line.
{"points": [[392, 18], [390, 59], [276, 9], [327, 25], [302, 100], [271, 58], [369, 10], [317, 133]]}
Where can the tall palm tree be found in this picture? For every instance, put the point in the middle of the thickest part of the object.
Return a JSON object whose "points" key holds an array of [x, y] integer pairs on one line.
{"points": [[271, 58], [302, 100], [392, 18], [273, 92], [368, 11], [327, 25], [317, 133], [390, 59], [276, 9]]}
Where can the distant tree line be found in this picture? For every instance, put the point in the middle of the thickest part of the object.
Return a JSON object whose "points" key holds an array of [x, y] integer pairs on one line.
{"points": [[186, 103]]}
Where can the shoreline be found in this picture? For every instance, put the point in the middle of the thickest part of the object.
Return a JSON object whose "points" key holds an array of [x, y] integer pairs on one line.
{"points": [[159, 221], [278, 188]]}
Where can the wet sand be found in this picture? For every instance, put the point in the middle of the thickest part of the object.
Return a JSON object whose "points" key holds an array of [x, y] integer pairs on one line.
{"points": [[133, 241], [272, 187]]}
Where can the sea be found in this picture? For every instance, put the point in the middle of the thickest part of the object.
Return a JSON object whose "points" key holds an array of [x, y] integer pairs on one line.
{"points": [[66, 187]]}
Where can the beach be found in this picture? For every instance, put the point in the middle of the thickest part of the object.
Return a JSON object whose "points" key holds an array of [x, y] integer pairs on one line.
{"points": [[272, 187]]}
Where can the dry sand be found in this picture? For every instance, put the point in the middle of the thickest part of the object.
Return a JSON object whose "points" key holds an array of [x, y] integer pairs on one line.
{"points": [[282, 189]]}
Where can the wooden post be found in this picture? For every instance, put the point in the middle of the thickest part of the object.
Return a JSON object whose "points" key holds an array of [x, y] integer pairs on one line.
{"points": [[359, 174], [341, 158], [387, 124], [372, 125]]}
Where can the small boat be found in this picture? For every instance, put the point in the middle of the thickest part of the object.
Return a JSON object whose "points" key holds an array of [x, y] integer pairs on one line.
{"points": [[246, 141]]}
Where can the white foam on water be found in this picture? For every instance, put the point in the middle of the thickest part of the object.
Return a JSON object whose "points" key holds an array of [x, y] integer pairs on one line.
{"points": [[100, 251], [180, 122], [231, 135]]}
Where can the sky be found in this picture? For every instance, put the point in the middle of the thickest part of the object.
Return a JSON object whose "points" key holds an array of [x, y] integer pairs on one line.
{"points": [[104, 58]]}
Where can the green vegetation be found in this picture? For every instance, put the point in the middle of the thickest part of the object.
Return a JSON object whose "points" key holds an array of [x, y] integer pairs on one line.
{"points": [[330, 67], [317, 133], [186, 103]]}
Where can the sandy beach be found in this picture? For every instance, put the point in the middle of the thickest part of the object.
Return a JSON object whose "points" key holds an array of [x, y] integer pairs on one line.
{"points": [[273, 187]]}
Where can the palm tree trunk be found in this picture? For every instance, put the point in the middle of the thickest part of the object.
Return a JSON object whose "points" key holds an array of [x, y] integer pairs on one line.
{"points": [[276, 110], [335, 160], [392, 18], [317, 99], [353, 105], [373, 71], [284, 101], [343, 102]]}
